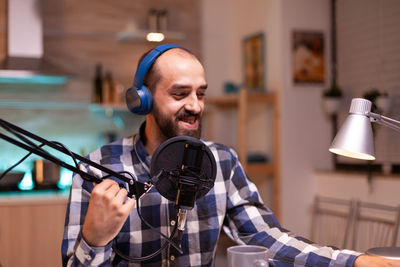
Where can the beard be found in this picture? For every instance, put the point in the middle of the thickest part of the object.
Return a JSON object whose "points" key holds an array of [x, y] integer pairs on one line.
{"points": [[169, 127]]}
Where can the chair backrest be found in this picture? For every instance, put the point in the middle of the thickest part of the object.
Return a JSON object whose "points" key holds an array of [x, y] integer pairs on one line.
{"points": [[375, 225], [331, 221]]}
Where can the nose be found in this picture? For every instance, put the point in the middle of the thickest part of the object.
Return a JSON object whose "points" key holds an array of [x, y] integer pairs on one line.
{"points": [[193, 103]]}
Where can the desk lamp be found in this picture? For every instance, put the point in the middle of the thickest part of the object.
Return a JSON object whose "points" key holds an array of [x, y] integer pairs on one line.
{"points": [[355, 138]]}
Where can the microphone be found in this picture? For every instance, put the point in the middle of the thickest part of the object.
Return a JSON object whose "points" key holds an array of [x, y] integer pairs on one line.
{"points": [[183, 169]]}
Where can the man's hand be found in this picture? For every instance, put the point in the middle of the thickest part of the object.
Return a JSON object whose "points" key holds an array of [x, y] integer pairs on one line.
{"points": [[107, 212], [371, 261]]}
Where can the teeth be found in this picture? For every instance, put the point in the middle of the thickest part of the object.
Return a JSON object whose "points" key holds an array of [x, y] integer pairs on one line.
{"points": [[189, 120]]}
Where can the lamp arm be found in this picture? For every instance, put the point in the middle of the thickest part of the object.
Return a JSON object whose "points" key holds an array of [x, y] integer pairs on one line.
{"points": [[391, 123]]}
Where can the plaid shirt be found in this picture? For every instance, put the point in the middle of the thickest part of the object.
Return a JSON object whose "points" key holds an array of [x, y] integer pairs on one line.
{"points": [[233, 204]]}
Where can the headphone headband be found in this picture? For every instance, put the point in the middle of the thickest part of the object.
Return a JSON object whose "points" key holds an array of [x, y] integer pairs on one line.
{"points": [[138, 97], [148, 61]]}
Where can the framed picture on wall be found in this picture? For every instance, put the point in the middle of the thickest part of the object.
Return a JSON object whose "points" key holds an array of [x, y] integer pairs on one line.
{"points": [[254, 65], [308, 62]]}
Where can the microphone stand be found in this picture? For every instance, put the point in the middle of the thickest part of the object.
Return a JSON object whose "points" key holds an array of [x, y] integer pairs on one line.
{"points": [[135, 188], [189, 178]]}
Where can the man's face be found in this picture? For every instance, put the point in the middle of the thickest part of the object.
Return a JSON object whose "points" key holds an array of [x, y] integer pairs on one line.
{"points": [[178, 100]]}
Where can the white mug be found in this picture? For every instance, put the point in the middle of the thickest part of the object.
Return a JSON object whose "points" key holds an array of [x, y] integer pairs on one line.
{"points": [[248, 256]]}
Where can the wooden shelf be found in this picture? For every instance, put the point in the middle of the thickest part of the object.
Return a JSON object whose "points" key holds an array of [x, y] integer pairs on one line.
{"points": [[34, 104], [59, 105], [264, 169], [108, 108], [232, 101], [241, 102], [43, 105]]}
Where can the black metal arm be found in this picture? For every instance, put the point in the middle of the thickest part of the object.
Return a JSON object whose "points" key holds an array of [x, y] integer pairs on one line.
{"points": [[135, 188]]}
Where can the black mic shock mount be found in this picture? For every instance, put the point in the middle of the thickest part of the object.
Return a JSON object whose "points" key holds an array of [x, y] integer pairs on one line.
{"points": [[183, 169]]}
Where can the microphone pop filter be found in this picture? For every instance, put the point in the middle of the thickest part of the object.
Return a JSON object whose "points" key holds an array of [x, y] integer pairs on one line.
{"points": [[182, 161]]}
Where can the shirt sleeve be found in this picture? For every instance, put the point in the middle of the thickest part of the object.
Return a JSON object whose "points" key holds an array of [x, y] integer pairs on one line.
{"points": [[250, 222], [75, 251]]}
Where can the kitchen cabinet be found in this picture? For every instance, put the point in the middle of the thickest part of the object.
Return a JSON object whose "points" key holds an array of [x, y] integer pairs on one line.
{"points": [[31, 228]]}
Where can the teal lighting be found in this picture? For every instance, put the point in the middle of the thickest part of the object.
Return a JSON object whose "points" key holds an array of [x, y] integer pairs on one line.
{"points": [[26, 182], [35, 79], [65, 178]]}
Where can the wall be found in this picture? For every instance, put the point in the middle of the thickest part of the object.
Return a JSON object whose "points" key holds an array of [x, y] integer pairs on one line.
{"points": [[369, 57], [77, 36], [217, 50], [305, 131], [225, 25], [382, 189], [2, 28]]}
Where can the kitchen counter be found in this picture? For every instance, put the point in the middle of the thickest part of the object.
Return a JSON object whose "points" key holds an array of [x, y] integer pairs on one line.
{"points": [[40, 197]]}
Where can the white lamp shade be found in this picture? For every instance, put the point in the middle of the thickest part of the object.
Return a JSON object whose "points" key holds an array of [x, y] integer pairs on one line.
{"points": [[355, 138]]}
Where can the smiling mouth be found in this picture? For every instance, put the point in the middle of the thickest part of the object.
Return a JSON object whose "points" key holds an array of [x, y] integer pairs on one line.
{"points": [[189, 119], [189, 122]]}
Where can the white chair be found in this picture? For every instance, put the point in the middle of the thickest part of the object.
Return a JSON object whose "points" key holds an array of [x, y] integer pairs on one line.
{"points": [[331, 221], [375, 225]]}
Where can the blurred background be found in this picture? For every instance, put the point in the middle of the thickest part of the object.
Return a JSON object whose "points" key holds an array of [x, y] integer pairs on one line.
{"points": [[92, 48]]}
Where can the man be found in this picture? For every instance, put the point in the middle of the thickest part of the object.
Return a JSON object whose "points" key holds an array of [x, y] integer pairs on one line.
{"points": [[100, 215]]}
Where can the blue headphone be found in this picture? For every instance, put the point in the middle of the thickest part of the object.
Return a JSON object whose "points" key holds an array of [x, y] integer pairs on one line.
{"points": [[138, 97]]}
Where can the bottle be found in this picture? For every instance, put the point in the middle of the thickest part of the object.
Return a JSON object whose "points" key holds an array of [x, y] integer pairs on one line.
{"points": [[98, 84], [119, 96], [108, 88]]}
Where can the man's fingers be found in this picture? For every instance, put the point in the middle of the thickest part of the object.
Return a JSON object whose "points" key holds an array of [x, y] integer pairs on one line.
{"points": [[129, 205], [121, 197], [105, 184], [107, 187]]}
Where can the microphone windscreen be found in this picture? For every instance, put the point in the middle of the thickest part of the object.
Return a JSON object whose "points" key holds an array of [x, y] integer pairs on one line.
{"points": [[176, 153]]}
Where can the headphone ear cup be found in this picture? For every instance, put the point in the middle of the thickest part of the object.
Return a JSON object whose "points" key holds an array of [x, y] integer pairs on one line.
{"points": [[146, 100], [139, 101]]}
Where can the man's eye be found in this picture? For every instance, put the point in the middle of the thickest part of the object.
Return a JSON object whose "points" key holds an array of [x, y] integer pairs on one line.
{"points": [[179, 94], [201, 94]]}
